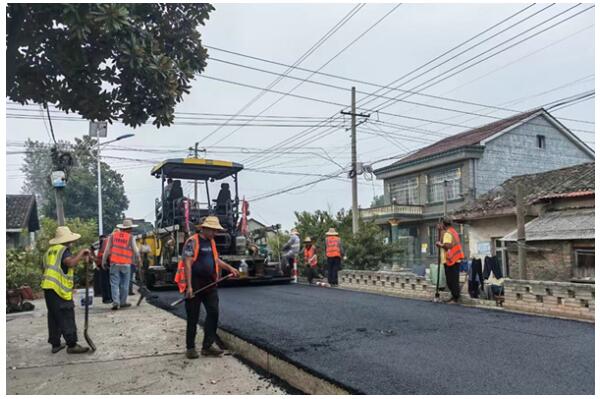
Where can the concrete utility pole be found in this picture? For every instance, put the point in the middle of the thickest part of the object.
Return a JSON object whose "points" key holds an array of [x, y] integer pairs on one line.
{"points": [[520, 210], [354, 171], [196, 150], [60, 209], [445, 197], [99, 173]]}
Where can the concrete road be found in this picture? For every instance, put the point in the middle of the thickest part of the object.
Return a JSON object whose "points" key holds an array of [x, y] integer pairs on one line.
{"points": [[385, 345], [140, 351]]}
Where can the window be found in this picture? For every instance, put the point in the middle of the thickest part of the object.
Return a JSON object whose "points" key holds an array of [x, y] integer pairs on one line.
{"points": [[500, 250], [584, 263], [405, 191], [541, 141], [435, 185], [433, 237]]}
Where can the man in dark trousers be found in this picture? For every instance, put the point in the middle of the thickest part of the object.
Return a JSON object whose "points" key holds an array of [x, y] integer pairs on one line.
{"points": [[202, 267], [451, 256], [104, 272], [57, 283], [334, 253]]}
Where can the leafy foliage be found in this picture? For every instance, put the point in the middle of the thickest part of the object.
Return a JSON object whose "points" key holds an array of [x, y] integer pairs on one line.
{"points": [[81, 192], [367, 250], [378, 200], [106, 61], [25, 267]]}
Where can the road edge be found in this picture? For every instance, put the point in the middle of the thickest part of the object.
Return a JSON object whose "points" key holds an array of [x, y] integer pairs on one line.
{"points": [[292, 374]]}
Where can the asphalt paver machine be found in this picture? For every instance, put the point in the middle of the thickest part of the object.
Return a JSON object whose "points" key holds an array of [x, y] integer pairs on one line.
{"points": [[176, 216]]}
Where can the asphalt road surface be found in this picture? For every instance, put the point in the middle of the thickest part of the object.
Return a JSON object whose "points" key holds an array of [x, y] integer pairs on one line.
{"points": [[385, 345]]}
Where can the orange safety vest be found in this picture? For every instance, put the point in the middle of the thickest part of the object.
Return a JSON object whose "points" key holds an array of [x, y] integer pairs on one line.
{"points": [[180, 278], [120, 251], [454, 254], [333, 248], [308, 254]]}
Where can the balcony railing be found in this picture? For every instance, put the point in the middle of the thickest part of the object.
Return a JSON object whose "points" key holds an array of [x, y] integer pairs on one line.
{"points": [[391, 210]]}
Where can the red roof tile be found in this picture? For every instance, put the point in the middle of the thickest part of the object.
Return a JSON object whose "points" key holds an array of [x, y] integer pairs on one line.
{"points": [[470, 137]]}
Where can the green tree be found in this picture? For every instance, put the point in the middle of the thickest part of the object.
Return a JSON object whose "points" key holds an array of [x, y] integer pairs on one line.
{"points": [[81, 192], [25, 267], [368, 250], [107, 62], [378, 200]]}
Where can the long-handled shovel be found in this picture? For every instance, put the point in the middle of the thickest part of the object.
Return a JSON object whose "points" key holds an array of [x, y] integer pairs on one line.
{"points": [[437, 283], [177, 302], [87, 290]]}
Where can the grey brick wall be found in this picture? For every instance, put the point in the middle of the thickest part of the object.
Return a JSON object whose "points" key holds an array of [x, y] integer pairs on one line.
{"points": [[517, 153]]}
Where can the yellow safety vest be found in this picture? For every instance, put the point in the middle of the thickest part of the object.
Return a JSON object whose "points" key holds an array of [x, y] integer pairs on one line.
{"points": [[54, 277]]}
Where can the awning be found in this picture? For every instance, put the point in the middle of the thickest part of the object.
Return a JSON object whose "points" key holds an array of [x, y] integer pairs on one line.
{"points": [[570, 224]]}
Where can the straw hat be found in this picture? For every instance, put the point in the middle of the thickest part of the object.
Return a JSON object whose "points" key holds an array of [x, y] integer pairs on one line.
{"points": [[211, 222], [332, 232], [307, 240], [294, 231], [127, 224], [64, 235]]}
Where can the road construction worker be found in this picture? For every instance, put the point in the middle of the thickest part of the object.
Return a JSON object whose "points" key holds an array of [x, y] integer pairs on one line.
{"points": [[57, 284], [201, 266], [310, 259], [104, 272], [121, 252], [451, 256], [292, 248], [334, 253]]}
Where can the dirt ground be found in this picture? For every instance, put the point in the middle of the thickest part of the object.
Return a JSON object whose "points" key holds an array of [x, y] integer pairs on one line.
{"points": [[140, 350]]}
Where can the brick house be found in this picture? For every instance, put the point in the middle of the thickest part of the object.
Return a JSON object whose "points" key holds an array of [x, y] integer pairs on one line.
{"points": [[491, 218], [471, 162], [21, 218]]}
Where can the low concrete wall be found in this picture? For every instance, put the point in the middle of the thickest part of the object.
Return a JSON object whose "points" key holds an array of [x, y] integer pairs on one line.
{"points": [[561, 299], [402, 284], [547, 298]]}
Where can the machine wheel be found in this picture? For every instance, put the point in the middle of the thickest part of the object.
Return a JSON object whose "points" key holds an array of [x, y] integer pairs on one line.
{"points": [[150, 280]]}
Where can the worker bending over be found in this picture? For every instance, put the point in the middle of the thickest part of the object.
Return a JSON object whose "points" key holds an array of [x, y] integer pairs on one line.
{"points": [[57, 283], [310, 259]]}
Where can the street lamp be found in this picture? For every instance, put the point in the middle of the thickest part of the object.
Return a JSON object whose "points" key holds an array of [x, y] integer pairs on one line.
{"points": [[100, 226]]}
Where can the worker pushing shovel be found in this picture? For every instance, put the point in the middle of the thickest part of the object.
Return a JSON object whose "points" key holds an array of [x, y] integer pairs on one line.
{"points": [[198, 273]]}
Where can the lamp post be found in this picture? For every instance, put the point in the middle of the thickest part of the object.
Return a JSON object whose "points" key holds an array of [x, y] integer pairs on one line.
{"points": [[100, 226]]}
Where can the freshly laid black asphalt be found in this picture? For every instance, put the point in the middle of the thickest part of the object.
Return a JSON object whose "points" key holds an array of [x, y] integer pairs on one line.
{"points": [[385, 345]]}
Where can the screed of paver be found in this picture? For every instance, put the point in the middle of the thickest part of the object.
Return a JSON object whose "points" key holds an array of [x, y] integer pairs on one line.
{"points": [[140, 351]]}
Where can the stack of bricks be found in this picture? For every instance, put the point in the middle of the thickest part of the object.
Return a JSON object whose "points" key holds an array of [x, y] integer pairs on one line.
{"points": [[401, 284], [570, 300]]}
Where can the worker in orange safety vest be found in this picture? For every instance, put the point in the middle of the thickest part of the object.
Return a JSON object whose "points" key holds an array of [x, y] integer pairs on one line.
{"points": [[452, 256], [334, 253], [310, 259], [122, 253]]}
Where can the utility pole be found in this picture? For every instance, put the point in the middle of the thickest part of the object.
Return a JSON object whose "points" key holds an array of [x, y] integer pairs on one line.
{"points": [[520, 210], [354, 170], [60, 209], [100, 224], [196, 151]]}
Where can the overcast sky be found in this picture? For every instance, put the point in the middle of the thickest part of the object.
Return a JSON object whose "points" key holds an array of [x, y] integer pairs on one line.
{"points": [[557, 63]]}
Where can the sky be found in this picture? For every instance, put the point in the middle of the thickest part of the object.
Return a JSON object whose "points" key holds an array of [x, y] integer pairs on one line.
{"points": [[377, 44]]}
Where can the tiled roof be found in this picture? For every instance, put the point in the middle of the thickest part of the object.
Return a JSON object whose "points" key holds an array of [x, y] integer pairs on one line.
{"points": [[571, 224], [565, 182], [468, 138], [21, 212]]}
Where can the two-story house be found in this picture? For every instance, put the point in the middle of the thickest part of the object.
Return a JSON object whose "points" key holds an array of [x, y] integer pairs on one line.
{"points": [[471, 163]]}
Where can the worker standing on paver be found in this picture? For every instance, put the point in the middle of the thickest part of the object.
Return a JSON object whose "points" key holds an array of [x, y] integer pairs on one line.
{"points": [[292, 248], [310, 259], [334, 253], [57, 283], [202, 267], [122, 252], [451, 257]]}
